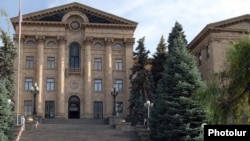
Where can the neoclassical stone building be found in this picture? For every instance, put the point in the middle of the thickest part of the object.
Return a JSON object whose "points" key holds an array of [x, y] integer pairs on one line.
{"points": [[210, 44], [75, 54]]}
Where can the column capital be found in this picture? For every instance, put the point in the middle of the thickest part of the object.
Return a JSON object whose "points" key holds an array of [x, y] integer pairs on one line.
{"points": [[129, 42], [40, 38], [88, 40], [61, 39], [108, 40]]}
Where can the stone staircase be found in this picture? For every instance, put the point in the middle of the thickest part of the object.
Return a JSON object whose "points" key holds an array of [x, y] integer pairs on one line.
{"points": [[76, 130]]}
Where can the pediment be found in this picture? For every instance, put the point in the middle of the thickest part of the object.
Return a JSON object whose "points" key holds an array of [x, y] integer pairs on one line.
{"points": [[236, 24], [56, 14], [241, 22]]}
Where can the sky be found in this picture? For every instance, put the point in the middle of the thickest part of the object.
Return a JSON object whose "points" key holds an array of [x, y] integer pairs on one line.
{"points": [[154, 17]]}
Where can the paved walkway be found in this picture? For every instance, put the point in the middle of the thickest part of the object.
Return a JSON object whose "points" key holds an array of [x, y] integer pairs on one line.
{"points": [[76, 130]]}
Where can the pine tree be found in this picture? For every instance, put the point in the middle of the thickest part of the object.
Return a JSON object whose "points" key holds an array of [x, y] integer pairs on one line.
{"points": [[140, 89], [7, 56], [6, 115], [175, 115], [158, 62]]}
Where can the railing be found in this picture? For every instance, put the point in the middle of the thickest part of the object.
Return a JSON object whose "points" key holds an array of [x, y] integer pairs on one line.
{"points": [[73, 71]]}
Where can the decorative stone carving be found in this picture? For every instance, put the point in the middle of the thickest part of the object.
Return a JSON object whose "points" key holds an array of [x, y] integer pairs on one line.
{"points": [[74, 84], [75, 25]]}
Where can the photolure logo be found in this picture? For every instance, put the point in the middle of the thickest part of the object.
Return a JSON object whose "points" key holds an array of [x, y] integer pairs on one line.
{"points": [[239, 132]]}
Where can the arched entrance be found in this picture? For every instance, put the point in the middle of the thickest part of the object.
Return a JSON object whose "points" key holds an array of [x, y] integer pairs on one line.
{"points": [[74, 107]]}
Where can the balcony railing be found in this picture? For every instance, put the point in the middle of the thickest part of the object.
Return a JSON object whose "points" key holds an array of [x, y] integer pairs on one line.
{"points": [[73, 71]]}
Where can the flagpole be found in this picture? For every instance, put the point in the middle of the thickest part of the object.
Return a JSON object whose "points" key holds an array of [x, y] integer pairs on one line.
{"points": [[19, 61]]}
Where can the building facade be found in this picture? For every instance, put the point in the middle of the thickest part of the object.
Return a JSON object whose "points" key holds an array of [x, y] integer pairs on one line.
{"points": [[209, 46], [75, 54]]}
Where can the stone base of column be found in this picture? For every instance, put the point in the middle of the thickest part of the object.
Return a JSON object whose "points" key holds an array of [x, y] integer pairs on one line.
{"points": [[87, 115], [60, 115]]}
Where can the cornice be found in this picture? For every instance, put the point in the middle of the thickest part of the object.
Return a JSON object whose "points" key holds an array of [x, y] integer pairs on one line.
{"points": [[122, 26]]}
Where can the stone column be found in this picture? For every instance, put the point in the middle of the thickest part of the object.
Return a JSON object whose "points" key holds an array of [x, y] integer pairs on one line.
{"points": [[88, 86], [108, 77], [39, 74], [60, 111], [129, 42]]}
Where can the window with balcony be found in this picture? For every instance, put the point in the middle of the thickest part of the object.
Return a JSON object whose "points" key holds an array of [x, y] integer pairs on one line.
{"points": [[74, 56]]}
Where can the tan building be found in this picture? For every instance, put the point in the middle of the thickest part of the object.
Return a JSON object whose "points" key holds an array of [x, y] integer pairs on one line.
{"points": [[210, 44], [75, 54]]}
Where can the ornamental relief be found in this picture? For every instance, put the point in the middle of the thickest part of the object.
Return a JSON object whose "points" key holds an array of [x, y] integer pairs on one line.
{"points": [[75, 25]]}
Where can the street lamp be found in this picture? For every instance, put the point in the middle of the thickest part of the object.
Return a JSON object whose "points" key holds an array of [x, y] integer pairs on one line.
{"points": [[114, 93], [148, 105], [34, 90]]}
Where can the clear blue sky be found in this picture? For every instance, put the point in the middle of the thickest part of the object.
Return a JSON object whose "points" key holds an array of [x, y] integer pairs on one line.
{"points": [[155, 17]]}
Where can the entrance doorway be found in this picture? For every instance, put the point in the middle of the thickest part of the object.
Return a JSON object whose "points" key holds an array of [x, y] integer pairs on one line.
{"points": [[98, 109], [49, 109], [74, 107]]}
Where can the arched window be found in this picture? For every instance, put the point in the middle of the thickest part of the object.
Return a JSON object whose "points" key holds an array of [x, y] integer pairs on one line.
{"points": [[118, 45], [31, 43], [51, 43], [97, 45], [74, 55]]}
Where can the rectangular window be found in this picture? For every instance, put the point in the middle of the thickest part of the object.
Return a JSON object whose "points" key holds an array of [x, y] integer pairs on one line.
{"points": [[50, 84], [51, 62], [29, 62], [118, 64], [28, 84], [27, 107], [98, 85], [119, 85], [98, 64]]}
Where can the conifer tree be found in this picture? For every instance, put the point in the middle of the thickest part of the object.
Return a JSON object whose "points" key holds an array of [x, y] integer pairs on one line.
{"points": [[6, 115], [158, 62], [175, 115], [140, 89], [7, 55]]}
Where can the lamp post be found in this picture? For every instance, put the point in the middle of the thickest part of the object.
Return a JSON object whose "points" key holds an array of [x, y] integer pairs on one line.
{"points": [[34, 90], [148, 105], [114, 93]]}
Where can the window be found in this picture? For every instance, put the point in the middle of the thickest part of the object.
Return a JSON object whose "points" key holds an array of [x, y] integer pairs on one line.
{"points": [[207, 51], [28, 84], [118, 64], [74, 56], [51, 44], [29, 62], [31, 43], [118, 45], [50, 84], [98, 64], [97, 45], [27, 107], [51, 62], [119, 85], [119, 108], [98, 85]]}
